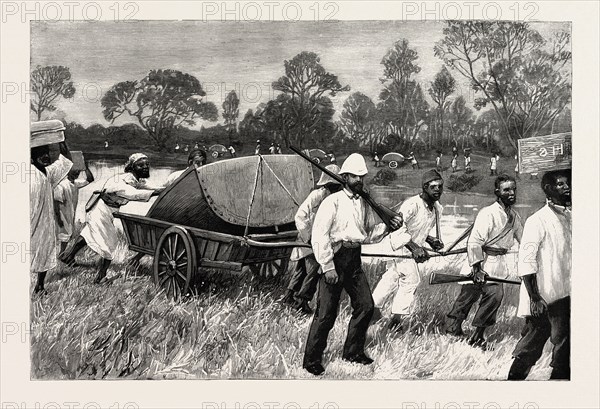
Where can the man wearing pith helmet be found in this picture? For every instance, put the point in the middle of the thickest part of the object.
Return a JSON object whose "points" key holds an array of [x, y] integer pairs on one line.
{"points": [[343, 222]]}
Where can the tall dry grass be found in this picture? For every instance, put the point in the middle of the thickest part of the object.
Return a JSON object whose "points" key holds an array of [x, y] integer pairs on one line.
{"points": [[236, 328]]}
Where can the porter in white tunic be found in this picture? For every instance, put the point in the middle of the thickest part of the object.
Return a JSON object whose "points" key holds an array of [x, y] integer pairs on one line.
{"points": [[43, 224], [100, 232], [402, 276]]}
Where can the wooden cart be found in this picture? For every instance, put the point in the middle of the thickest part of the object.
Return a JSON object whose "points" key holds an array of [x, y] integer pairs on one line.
{"points": [[229, 214]]}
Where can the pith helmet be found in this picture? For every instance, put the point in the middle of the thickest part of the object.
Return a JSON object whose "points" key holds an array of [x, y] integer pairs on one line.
{"points": [[325, 178], [354, 164]]}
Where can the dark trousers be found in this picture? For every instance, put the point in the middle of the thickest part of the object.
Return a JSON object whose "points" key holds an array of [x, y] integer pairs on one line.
{"points": [[556, 325], [491, 296], [305, 278], [352, 279]]}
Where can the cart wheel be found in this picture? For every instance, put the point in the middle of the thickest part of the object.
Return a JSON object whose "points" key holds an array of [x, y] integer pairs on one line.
{"points": [[215, 154], [393, 164], [272, 268], [175, 262], [316, 160]]}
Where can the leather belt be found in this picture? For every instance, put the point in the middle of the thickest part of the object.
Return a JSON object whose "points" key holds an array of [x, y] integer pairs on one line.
{"points": [[351, 244], [494, 251]]}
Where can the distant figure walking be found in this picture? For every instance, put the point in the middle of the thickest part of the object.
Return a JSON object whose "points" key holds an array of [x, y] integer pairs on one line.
{"points": [[231, 151], [453, 163], [272, 149], [257, 149], [279, 149], [186, 149], [105, 145], [413, 160], [517, 168], [494, 164], [376, 160], [177, 148], [438, 161], [468, 168]]}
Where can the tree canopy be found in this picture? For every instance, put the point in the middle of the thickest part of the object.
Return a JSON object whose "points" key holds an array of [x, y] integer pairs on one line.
{"points": [[161, 102], [525, 78], [47, 85]]}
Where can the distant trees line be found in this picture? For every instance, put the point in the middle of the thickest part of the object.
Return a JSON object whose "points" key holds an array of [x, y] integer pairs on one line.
{"points": [[521, 83]]}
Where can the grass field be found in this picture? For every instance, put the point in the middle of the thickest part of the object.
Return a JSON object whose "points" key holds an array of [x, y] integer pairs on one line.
{"points": [[236, 328]]}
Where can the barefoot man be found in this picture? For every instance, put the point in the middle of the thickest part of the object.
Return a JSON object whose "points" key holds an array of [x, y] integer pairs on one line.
{"points": [[99, 232]]}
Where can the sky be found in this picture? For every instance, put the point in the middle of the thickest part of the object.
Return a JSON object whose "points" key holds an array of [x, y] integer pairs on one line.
{"points": [[242, 56]]}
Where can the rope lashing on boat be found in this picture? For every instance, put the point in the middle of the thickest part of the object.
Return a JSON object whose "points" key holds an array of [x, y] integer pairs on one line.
{"points": [[258, 171], [280, 182]]}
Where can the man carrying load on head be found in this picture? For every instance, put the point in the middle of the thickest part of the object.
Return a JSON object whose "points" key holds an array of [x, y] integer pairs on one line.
{"points": [[45, 176], [99, 232], [303, 283], [342, 224]]}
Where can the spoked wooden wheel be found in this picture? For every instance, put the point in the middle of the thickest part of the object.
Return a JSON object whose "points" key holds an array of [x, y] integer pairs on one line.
{"points": [[393, 164], [272, 268], [175, 262]]}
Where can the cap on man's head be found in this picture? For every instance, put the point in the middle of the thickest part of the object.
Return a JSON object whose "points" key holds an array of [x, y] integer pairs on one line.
{"points": [[325, 178], [354, 164], [430, 176]]}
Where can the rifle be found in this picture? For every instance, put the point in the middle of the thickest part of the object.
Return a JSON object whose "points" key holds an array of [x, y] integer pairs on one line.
{"points": [[441, 278], [385, 213]]}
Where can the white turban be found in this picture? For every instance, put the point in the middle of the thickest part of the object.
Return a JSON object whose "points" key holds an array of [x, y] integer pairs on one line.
{"points": [[133, 159]]}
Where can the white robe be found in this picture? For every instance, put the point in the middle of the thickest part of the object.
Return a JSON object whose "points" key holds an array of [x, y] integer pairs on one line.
{"points": [[99, 231], [67, 195], [42, 220]]}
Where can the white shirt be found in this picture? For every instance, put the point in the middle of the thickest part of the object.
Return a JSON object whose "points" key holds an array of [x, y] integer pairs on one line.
{"points": [[42, 220], [546, 251], [419, 220], [343, 217], [305, 217], [489, 230], [467, 160], [67, 194]]}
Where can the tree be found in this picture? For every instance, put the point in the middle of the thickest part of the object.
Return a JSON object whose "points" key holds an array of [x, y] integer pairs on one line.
{"points": [[525, 79], [231, 112], [47, 84], [308, 85], [358, 120], [250, 127], [161, 102], [403, 107], [460, 120], [441, 88]]}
